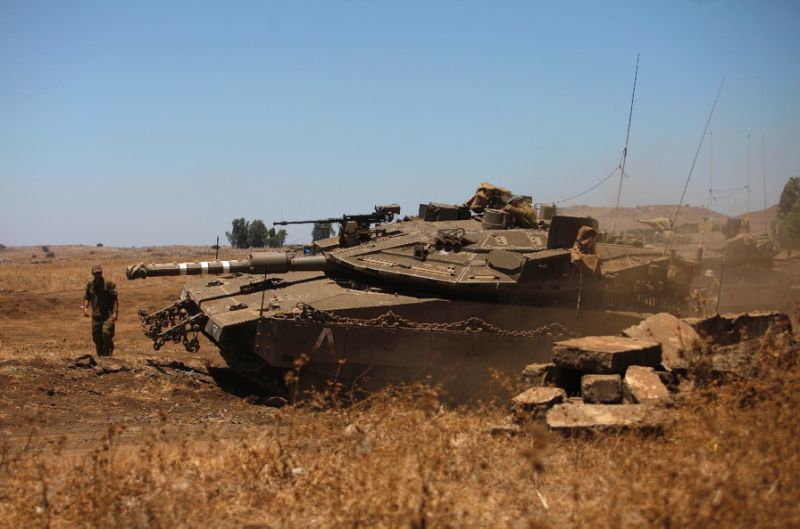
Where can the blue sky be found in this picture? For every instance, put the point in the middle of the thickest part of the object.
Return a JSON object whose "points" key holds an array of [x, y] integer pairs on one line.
{"points": [[143, 123]]}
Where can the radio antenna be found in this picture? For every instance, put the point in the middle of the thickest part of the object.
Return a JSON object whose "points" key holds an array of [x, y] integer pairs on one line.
{"points": [[699, 146], [625, 150]]}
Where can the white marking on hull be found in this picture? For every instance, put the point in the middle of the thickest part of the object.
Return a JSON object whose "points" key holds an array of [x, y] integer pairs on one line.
{"points": [[326, 336]]}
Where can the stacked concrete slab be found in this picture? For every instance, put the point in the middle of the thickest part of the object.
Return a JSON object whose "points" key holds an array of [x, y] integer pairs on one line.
{"points": [[604, 377], [624, 382]]}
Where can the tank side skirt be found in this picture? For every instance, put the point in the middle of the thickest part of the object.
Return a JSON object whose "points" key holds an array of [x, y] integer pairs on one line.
{"points": [[281, 342]]}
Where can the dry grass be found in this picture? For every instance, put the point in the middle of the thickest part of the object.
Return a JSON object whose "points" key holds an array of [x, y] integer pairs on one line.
{"points": [[398, 459], [26, 269]]}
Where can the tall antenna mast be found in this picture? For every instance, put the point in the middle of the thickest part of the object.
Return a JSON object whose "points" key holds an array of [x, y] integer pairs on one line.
{"points": [[764, 169], [748, 173], [625, 151], [764, 176], [710, 169], [696, 154]]}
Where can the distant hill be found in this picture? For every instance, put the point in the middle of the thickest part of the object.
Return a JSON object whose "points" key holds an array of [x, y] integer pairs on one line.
{"points": [[760, 220]]}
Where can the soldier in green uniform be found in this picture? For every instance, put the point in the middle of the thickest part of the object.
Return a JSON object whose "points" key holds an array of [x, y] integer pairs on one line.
{"points": [[102, 295], [521, 212]]}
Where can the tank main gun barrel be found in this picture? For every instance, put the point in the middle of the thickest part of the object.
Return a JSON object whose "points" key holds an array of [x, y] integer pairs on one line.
{"points": [[259, 263]]}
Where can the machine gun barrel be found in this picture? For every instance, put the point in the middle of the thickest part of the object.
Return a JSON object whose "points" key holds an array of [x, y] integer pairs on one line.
{"points": [[381, 214], [259, 263], [321, 221]]}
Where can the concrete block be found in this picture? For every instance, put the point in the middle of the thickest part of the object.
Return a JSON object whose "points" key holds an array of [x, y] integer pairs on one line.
{"points": [[601, 389], [644, 386], [677, 338], [534, 402], [573, 418], [728, 329], [605, 354], [540, 375]]}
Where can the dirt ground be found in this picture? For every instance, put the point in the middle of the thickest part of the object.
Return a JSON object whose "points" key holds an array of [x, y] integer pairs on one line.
{"points": [[173, 439], [42, 330]]}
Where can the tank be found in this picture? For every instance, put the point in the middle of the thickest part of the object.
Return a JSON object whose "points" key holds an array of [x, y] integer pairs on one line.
{"points": [[741, 273], [449, 294]]}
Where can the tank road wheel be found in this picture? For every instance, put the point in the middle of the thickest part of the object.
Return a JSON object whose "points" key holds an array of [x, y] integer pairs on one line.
{"points": [[237, 351]]}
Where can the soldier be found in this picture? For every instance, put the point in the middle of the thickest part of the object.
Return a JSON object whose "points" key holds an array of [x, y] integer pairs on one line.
{"points": [[103, 296], [521, 212]]}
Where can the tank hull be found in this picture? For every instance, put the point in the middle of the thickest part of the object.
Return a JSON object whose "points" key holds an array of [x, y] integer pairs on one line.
{"points": [[361, 337]]}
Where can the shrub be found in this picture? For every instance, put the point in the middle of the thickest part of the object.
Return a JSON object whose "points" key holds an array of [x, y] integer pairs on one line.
{"points": [[786, 226]]}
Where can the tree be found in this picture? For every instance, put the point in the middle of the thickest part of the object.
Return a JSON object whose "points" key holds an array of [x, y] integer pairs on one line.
{"points": [[257, 234], [246, 234], [276, 238], [786, 226], [322, 230], [238, 234]]}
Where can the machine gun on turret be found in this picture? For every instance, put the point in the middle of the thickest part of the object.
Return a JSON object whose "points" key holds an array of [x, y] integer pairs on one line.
{"points": [[354, 229]]}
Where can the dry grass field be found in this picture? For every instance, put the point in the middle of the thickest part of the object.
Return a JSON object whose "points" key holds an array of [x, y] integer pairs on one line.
{"points": [[171, 439]]}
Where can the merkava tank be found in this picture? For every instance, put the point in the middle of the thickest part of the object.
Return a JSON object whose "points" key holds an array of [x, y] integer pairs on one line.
{"points": [[454, 293], [740, 272]]}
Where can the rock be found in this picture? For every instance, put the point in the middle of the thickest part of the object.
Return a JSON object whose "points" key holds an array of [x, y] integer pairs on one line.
{"points": [[111, 366], [601, 389], [753, 325], [576, 418], [644, 386], [540, 375], [731, 360], [605, 354], [507, 427], [669, 379], [677, 338], [534, 402], [726, 363], [198, 366], [83, 362], [730, 329]]}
